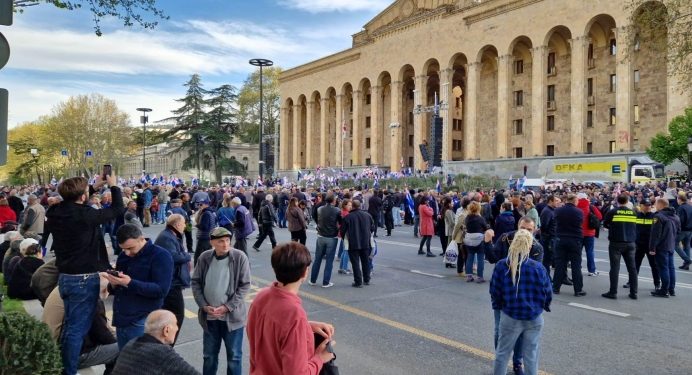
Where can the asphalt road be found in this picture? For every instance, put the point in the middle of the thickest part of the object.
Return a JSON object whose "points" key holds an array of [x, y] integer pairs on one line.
{"points": [[417, 317]]}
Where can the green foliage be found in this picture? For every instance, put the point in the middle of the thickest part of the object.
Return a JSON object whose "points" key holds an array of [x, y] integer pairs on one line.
{"points": [[26, 346], [249, 103], [666, 148], [232, 167], [130, 12]]}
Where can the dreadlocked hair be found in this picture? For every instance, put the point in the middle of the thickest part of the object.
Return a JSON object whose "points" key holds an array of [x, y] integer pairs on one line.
{"points": [[518, 253]]}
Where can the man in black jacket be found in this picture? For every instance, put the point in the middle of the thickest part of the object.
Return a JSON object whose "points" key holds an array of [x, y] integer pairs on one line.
{"points": [[684, 212], [663, 236], [374, 208], [357, 227], [328, 222], [549, 231], [266, 219], [569, 220], [622, 234], [80, 252]]}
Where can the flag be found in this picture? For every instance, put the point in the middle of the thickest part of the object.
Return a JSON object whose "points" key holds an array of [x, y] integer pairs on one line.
{"points": [[53, 181], [438, 187], [409, 203]]}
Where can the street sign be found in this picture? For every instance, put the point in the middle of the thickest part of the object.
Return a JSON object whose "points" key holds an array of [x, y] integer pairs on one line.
{"points": [[63, 152], [89, 154]]}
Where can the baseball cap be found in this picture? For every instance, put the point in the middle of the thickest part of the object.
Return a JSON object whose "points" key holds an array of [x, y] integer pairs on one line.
{"points": [[26, 243], [646, 202], [220, 232]]}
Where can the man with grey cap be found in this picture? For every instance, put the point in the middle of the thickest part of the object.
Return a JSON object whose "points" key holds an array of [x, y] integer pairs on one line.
{"points": [[219, 285], [34, 216]]}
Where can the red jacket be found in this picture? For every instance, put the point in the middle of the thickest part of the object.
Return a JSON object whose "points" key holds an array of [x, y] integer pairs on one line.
{"points": [[7, 214], [427, 227], [583, 205]]}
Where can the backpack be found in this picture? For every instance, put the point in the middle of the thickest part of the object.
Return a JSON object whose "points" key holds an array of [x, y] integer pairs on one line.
{"points": [[387, 204], [593, 223]]}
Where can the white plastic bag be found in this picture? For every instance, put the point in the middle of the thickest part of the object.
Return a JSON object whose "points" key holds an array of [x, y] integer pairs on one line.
{"points": [[451, 253]]}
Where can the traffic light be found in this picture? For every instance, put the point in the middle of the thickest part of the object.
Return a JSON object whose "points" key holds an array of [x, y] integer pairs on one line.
{"points": [[5, 20]]}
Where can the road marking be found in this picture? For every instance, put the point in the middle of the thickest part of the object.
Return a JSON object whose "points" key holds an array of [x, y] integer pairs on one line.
{"points": [[605, 311], [190, 315], [427, 274], [400, 326]]}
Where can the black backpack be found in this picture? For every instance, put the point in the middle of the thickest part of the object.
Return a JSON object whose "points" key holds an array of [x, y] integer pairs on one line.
{"points": [[594, 223]]}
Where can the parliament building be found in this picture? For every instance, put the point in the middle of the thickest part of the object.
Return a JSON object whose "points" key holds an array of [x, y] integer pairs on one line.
{"points": [[513, 79]]}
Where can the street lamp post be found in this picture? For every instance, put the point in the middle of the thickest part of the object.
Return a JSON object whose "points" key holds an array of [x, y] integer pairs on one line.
{"points": [[689, 159], [261, 63], [144, 119]]}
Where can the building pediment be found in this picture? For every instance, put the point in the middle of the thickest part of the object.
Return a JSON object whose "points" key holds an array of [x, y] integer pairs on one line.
{"points": [[401, 12]]}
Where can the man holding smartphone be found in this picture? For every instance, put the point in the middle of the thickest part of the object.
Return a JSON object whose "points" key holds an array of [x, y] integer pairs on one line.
{"points": [[80, 252]]}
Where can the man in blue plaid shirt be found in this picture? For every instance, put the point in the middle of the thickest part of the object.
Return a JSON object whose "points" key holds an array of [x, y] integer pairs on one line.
{"points": [[521, 289]]}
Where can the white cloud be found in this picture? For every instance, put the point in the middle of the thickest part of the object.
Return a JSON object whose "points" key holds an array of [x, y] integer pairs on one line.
{"points": [[320, 6]]}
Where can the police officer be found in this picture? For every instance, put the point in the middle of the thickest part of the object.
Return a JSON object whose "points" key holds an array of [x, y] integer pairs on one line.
{"points": [[622, 234], [645, 219]]}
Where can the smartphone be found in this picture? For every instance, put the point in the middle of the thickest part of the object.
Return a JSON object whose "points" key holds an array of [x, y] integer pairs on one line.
{"points": [[113, 273], [107, 170]]}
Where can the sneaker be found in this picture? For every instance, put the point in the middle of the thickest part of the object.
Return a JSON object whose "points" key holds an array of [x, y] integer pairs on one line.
{"points": [[327, 285], [469, 278], [660, 293], [366, 283], [609, 295], [594, 274], [357, 285], [626, 286], [462, 274], [311, 283], [580, 294], [671, 293], [480, 280], [685, 266], [341, 272], [633, 295], [567, 281]]}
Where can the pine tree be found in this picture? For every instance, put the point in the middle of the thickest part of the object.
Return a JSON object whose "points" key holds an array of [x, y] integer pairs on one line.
{"points": [[220, 126]]}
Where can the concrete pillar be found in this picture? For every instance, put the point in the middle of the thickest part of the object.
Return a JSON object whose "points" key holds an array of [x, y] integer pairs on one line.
{"points": [[579, 46], [503, 94], [283, 138], [376, 125], [623, 92], [358, 138], [296, 137], [446, 97], [310, 149], [324, 131], [394, 127], [339, 131], [471, 110], [419, 121], [538, 98]]}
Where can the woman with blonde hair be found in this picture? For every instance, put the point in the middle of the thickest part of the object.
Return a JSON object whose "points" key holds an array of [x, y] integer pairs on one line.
{"points": [[520, 290]]}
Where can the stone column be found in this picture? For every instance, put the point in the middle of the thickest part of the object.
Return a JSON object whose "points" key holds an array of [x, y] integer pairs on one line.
{"points": [[310, 150], [446, 97], [578, 89], [296, 137], [376, 125], [503, 94], [339, 131], [358, 138], [538, 100], [623, 92], [471, 110], [393, 129], [324, 131], [283, 138], [419, 121]]}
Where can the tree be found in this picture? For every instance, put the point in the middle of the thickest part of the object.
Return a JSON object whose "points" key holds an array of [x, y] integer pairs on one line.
{"points": [[249, 108], [130, 12], [665, 27], [667, 148], [220, 124], [189, 130]]}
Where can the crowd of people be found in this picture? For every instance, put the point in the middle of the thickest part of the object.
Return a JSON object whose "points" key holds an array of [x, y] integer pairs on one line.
{"points": [[534, 238]]}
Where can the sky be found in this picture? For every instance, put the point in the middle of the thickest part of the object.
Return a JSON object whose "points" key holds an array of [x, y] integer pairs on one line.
{"points": [[55, 53]]}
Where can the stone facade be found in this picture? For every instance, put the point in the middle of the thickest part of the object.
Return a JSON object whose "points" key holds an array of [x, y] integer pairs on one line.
{"points": [[519, 79]]}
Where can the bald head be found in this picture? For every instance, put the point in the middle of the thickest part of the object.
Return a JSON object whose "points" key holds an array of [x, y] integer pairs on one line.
{"points": [[162, 325]]}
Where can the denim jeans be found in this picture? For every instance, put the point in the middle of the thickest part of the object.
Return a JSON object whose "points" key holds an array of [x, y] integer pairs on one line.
{"points": [[127, 333], [217, 331], [590, 260], [416, 225], [477, 252], [516, 356], [510, 330], [325, 248], [282, 217], [396, 215], [161, 213], [684, 250], [80, 294], [666, 267], [343, 264]]}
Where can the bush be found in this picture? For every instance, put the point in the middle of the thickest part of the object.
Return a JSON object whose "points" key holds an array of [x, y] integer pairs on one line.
{"points": [[26, 346]]}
